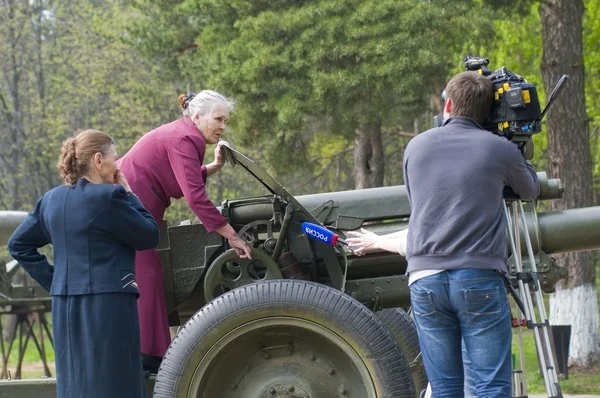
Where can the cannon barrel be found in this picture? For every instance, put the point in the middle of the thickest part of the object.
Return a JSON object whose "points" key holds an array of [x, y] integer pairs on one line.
{"points": [[370, 204], [563, 231], [387, 209], [196, 273], [570, 230], [9, 221]]}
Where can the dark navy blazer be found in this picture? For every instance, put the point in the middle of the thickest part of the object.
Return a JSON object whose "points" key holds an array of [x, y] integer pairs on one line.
{"points": [[94, 230]]}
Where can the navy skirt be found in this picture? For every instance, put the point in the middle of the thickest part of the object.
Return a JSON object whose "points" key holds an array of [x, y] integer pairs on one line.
{"points": [[97, 346]]}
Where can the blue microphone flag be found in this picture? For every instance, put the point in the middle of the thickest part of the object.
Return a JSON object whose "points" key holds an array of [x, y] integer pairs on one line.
{"points": [[320, 233]]}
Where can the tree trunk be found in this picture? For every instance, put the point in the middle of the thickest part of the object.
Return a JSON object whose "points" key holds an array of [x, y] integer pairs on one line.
{"points": [[11, 152], [369, 159], [575, 301]]}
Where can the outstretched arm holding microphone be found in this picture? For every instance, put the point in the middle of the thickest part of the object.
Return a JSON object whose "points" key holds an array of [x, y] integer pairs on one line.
{"points": [[359, 242], [363, 241]]}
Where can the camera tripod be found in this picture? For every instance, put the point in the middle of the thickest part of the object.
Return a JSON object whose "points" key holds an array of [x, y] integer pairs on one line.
{"points": [[525, 288]]}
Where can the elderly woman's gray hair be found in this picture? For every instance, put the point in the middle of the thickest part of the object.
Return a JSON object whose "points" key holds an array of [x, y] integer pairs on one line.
{"points": [[203, 102]]}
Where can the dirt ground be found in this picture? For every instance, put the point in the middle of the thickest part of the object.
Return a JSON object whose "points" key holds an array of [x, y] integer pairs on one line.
{"points": [[35, 370], [30, 370]]}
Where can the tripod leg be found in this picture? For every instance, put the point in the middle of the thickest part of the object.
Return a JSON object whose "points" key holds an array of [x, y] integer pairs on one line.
{"points": [[519, 382], [3, 374], [526, 281], [549, 363]]}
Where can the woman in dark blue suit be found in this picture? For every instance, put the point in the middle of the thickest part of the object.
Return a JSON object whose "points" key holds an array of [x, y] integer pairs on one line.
{"points": [[95, 224]]}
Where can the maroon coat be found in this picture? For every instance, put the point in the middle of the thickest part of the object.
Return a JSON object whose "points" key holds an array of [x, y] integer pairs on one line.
{"points": [[165, 163]]}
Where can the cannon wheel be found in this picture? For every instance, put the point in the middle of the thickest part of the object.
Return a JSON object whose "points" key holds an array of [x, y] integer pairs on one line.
{"points": [[229, 271], [284, 338], [403, 329]]}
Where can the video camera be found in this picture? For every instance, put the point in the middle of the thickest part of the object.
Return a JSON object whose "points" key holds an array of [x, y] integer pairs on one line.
{"points": [[516, 113]]}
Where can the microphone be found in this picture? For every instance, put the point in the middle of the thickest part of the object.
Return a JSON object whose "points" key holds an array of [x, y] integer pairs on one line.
{"points": [[322, 234]]}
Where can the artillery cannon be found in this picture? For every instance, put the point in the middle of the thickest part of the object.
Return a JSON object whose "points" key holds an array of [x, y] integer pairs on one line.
{"points": [[9, 221], [259, 335], [23, 305], [305, 319], [24, 293]]}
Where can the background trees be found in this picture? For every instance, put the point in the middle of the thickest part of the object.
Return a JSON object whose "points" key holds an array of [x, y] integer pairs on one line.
{"points": [[575, 301]]}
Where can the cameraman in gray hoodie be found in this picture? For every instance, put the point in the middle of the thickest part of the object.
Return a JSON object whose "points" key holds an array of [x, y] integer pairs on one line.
{"points": [[456, 245]]}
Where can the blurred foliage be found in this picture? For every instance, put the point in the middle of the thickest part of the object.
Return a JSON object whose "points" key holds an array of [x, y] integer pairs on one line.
{"points": [[303, 71], [306, 77]]}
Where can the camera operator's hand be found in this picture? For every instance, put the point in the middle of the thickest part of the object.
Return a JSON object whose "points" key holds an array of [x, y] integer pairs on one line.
{"points": [[528, 150]]}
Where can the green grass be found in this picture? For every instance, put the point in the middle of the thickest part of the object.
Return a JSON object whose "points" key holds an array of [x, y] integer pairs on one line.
{"points": [[32, 364], [580, 381]]}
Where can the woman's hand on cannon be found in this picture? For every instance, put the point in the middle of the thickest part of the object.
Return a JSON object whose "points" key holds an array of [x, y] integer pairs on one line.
{"points": [[238, 244], [219, 161], [241, 248], [219, 154]]}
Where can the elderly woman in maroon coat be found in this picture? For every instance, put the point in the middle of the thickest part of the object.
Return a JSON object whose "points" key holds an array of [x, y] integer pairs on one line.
{"points": [[166, 163]]}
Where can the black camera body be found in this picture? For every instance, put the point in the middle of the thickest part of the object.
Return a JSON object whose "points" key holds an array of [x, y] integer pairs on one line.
{"points": [[516, 112]]}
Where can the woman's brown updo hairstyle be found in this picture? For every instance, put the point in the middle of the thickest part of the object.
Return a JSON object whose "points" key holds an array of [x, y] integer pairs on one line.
{"points": [[76, 153], [184, 100]]}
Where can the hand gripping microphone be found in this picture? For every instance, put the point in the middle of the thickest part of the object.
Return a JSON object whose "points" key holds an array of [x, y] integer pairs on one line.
{"points": [[322, 234], [326, 236]]}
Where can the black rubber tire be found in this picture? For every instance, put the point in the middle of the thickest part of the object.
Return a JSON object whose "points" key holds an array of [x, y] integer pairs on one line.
{"points": [[307, 301], [402, 327]]}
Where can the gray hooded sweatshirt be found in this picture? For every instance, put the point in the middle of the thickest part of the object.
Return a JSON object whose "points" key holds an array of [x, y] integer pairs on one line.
{"points": [[455, 175]]}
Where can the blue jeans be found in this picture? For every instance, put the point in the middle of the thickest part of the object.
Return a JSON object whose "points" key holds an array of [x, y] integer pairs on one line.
{"points": [[468, 369], [469, 305]]}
